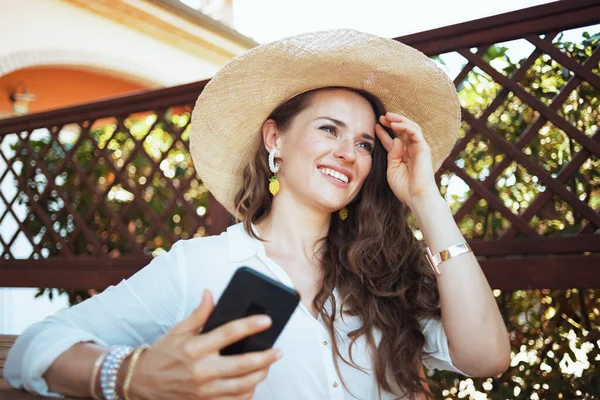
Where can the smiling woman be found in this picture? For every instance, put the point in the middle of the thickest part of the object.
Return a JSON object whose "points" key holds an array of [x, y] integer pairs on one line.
{"points": [[351, 127], [329, 160]]}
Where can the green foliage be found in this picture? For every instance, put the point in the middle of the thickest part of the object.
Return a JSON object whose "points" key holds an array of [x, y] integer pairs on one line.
{"points": [[555, 343], [554, 333]]}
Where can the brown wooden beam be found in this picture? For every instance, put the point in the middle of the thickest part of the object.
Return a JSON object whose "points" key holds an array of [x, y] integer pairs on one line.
{"points": [[545, 272], [118, 106], [556, 16], [539, 246], [508, 273], [69, 273]]}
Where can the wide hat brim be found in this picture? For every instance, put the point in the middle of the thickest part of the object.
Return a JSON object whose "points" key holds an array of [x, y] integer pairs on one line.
{"points": [[229, 113]]}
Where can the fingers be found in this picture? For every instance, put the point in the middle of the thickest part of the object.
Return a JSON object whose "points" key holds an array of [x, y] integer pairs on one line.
{"points": [[199, 316], [238, 386], [227, 334], [408, 130], [237, 376], [393, 146], [384, 137], [396, 154], [243, 396], [235, 366], [395, 117]]}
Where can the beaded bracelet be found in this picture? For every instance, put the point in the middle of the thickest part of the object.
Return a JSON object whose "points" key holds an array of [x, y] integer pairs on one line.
{"points": [[110, 368]]}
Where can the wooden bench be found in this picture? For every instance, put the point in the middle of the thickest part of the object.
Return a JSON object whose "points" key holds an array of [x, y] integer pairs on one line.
{"points": [[6, 342], [6, 391]]}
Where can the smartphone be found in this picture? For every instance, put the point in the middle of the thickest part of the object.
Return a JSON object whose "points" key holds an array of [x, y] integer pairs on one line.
{"points": [[250, 293]]}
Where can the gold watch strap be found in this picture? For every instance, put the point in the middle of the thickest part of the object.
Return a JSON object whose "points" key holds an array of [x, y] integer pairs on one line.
{"points": [[452, 251]]}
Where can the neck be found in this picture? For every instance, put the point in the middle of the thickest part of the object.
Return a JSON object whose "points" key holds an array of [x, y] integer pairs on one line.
{"points": [[293, 228]]}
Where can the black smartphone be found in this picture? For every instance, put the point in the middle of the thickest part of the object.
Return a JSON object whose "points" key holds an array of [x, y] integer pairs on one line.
{"points": [[250, 293]]}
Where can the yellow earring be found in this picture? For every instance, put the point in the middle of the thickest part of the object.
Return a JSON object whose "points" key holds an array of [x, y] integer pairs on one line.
{"points": [[274, 185], [343, 213]]}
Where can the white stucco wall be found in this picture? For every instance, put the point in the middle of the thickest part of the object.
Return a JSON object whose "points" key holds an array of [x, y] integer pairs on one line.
{"points": [[38, 32]]}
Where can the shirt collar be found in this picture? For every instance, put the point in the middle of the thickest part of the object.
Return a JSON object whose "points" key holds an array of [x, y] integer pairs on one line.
{"points": [[241, 246]]}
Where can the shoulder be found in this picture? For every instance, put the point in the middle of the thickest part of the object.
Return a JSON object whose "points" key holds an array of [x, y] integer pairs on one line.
{"points": [[202, 243], [217, 251], [208, 263], [206, 248]]}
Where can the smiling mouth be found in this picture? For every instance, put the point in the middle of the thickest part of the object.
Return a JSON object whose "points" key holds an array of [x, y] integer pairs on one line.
{"points": [[335, 174]]}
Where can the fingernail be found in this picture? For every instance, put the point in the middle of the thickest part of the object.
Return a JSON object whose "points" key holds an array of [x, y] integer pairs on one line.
{"points": [[264, 320], [278, 354]]}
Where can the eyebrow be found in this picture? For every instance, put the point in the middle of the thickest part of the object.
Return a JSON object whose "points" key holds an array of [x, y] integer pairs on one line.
{"points": [[342, 124]]}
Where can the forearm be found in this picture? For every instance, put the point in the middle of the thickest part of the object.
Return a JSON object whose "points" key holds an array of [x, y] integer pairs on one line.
{"points": [[71, 372], [57, 352], [470, 314]]}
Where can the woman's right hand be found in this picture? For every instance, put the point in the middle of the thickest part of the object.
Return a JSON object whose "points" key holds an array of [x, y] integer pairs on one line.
{"points": [[184, 364]]}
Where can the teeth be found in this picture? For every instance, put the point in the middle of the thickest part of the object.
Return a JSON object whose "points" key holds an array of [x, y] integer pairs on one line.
{"points": [[335, 174]]}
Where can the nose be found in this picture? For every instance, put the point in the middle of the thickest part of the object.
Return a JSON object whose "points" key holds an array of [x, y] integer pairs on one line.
{"points": [[345, 150]]}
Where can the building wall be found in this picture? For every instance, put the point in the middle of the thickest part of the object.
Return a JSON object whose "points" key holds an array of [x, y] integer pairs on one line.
{"points": [[54, 32], [57, 87]]}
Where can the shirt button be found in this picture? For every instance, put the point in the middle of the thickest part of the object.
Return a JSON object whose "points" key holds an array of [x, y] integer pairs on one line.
{"points": [[335, 384], [325, 343]]}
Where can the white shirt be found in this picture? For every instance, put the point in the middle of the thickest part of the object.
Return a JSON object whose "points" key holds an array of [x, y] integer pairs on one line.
{"points": [[144, 307]]}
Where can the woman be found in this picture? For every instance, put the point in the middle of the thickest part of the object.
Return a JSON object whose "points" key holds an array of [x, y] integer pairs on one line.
{"points": [[321, 144]]}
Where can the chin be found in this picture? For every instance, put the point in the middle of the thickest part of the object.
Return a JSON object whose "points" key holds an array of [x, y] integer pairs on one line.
{"points": [[327, 199], [331, 205]]}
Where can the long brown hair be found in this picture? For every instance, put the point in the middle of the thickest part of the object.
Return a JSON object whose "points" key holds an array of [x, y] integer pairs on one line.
{"points": [[372, 258]]}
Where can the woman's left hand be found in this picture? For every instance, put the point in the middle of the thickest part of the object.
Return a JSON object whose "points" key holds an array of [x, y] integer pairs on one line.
{"points": [[410, 171]]}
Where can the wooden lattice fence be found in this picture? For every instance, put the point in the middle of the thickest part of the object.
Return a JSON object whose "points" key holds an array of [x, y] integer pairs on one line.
{"points": [[91, 193]]}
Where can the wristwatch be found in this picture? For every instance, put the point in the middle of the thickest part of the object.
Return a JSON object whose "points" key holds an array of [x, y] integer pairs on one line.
{"points": [[452, 251]]}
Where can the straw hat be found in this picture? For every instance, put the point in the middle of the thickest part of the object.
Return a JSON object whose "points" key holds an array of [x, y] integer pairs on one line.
{"points": [[228, 116]]}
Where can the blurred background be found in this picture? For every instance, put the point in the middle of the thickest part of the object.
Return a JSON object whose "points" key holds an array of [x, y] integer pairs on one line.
{"points": [[95, 177]]}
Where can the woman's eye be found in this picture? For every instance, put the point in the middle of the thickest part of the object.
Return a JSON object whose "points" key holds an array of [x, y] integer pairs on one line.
{"points": [[367, 146], [329, 129]]}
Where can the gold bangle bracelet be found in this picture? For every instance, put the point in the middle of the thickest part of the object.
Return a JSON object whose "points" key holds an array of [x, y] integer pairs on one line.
{"points": [[134, 359], [450, 252], [95, 371]]}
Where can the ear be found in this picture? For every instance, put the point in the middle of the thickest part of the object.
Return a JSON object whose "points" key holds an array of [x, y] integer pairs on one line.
{"points": [[271, 135]]}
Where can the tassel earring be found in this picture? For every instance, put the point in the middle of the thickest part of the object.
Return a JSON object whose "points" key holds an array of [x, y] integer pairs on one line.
{"points": [[343, 213], [274, 167]]}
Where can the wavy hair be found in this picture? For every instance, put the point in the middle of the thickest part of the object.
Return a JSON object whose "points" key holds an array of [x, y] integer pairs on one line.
{"points": [[372, 258]]}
